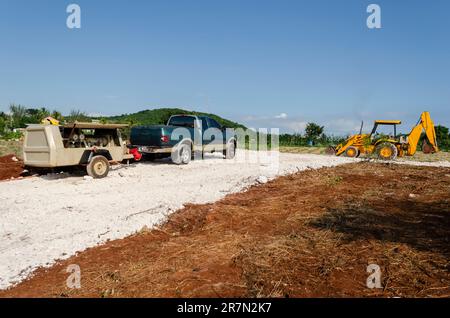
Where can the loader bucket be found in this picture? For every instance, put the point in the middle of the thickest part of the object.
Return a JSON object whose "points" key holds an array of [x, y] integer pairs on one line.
{"points": [[427, 148]]}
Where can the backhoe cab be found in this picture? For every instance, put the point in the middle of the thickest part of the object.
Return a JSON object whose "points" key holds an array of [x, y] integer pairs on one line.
{"points": [[390, 146]]}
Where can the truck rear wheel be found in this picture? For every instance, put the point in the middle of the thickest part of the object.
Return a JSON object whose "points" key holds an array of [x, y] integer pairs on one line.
{"points": [[182, 154], [387, 151], [98, 167]]}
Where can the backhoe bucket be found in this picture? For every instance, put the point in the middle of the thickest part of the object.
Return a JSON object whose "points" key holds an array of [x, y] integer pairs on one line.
{"points": [[427, 148]]}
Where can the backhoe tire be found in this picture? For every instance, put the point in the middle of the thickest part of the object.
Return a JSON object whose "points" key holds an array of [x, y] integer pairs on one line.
{"points": [[98, 167], [386, 151], [182, 154], [352, 152]]}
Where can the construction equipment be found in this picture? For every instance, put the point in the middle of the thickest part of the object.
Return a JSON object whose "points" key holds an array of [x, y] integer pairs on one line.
{"points": [[91, 145], [390, 147], [50, 121]]}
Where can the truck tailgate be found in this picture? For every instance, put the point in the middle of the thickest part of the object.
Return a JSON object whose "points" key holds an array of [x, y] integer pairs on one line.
{"points": [[147, 136]]}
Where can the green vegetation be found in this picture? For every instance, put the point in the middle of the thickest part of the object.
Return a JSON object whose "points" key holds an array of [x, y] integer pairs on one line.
{"points": [[161, 116], [443, 137], [316, 150], [77, 115], [298, 140], [11, 147], [314, 136], [19, 116], [313, 131]]}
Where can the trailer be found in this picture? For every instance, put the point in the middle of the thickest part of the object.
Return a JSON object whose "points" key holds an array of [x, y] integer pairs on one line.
{"points": [[91, 145]]}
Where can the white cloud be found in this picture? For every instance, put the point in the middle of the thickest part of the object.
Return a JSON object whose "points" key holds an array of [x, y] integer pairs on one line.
{"points": [[281, 116]]}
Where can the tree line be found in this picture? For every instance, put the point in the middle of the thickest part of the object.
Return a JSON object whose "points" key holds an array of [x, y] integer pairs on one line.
{"points": [[20, 116], [314, 136]]}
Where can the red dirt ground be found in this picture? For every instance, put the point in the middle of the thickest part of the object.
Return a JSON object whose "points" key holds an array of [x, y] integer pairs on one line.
{"points": [[311, 234], [10, 168]]}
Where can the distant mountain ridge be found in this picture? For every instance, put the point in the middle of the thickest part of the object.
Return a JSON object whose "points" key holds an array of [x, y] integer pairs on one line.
{"points": [[160, 116]]}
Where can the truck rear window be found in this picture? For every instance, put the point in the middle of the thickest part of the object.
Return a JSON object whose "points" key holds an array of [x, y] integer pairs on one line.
{"points": [[182, 121]]}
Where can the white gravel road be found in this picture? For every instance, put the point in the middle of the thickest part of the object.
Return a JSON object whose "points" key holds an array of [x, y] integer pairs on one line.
{"points": [[44, 219]]}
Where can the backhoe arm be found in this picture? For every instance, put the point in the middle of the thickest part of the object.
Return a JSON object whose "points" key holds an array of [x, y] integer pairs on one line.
{"points": [[425, 123]]}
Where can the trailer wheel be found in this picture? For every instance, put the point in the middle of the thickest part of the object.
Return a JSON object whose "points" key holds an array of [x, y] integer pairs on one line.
{"points": [[98, 167], [387, 151]]}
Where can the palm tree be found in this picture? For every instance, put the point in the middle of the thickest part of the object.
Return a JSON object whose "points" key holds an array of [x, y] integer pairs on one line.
{"points": [[57, 115], [18, 114], [43, 113], [77, 115]]}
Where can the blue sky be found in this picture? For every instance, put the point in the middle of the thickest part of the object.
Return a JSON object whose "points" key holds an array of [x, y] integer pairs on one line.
{"points": [[264, 63]]}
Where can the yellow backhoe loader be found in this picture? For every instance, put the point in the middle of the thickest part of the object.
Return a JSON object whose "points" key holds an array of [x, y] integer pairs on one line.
{"points": [[390, 147]]}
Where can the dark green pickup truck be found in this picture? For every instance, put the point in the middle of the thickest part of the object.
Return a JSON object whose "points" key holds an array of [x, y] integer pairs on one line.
{"points": [[183, 138]]}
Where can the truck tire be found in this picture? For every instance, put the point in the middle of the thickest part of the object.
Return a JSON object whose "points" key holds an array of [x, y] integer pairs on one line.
{"points": [[182, 154], [230, 151], [98, 167], [352, 152], [387, 151]]}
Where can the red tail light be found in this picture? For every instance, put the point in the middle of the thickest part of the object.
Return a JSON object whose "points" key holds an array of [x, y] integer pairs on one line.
{"points": [[165, 138]]}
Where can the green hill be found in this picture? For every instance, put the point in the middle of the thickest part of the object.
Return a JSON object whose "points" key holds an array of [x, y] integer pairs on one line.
{"points": [[161, 115]]}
